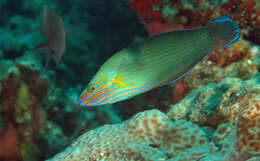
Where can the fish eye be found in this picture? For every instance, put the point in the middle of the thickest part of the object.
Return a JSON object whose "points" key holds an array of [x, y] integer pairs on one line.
{"points": [[91, 89]]}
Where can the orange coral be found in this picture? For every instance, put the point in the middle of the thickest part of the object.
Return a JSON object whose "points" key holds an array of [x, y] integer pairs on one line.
{"points": [[198, 13], [239, 50], [146, 9], [247, 16], [8, 143], [180, 91], [157, 27], [20, 98]]}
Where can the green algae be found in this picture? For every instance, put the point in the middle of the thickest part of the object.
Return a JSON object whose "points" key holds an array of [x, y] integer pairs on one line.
{"points": [[29, 151], [23, 99], [24, 103]]}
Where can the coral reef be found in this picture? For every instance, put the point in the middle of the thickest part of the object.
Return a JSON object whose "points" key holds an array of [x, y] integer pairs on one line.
{"points": [[8, 143], [149, 135], [248, 128], [227, 114], [214, 103], [187, 13], [36, 119], [237, 60], [239, 50], [20, 110], [211, 114], [208, 71], [37, 111]]}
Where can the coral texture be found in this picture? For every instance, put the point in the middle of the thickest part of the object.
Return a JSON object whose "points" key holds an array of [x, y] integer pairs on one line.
{"points": [[21, 111], [212, 114], [152, 135], [37, 115], [249, 128], [32, 124], [214, 103], [173, 14], [149, 135]]}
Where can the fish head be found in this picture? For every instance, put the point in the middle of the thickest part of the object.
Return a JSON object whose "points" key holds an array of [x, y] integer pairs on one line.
{"points": [[106, 86], [98, 93]]}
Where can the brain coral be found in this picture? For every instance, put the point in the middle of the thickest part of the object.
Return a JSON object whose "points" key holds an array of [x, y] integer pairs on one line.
{"points": [[240, 141], [149, 135], [248, 132]]}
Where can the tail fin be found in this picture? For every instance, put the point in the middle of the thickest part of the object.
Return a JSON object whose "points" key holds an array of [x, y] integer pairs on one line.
{"points": [[223, 31]]}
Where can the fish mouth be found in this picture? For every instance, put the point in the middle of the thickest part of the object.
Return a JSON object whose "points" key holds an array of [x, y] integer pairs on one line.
{"points": [[100, 97], [79, 101], [82, 102]]}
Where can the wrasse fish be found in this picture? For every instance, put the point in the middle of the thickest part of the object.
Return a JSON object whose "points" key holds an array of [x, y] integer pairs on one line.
{"points": [[156, 61], [53, 28]]}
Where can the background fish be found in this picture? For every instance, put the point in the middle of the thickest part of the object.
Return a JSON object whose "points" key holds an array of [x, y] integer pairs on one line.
{"points": [[53, 28], [157, 61]]}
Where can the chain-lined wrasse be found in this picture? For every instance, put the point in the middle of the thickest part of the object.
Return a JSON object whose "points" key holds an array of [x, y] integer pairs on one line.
{"points": [[156, 61]]}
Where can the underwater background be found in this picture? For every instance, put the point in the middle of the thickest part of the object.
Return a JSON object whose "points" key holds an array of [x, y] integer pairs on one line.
{"points": [[212, 114]]}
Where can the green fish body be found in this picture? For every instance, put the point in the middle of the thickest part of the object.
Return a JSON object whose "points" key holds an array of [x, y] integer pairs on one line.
{"points": [[159, 60]]}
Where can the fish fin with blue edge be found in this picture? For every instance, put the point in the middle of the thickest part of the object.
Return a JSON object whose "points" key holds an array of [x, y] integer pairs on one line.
{"points": [[223, 31]]}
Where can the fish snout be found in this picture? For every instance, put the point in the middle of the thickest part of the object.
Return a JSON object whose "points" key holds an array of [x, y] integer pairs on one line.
{"points": [[99, 97]]}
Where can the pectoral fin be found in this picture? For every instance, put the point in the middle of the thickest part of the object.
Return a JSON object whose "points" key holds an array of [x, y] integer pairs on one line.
{"points": [[42, 46]]}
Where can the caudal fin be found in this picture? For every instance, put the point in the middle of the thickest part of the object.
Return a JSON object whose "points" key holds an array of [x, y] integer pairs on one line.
{"points": [[223, 31]]}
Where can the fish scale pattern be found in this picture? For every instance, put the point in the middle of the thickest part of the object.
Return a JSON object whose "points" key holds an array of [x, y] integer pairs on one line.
{"points": [[148, 136]]}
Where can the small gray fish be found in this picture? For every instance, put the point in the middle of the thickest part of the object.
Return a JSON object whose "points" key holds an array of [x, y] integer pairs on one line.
{"points": [[53, 28]]}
